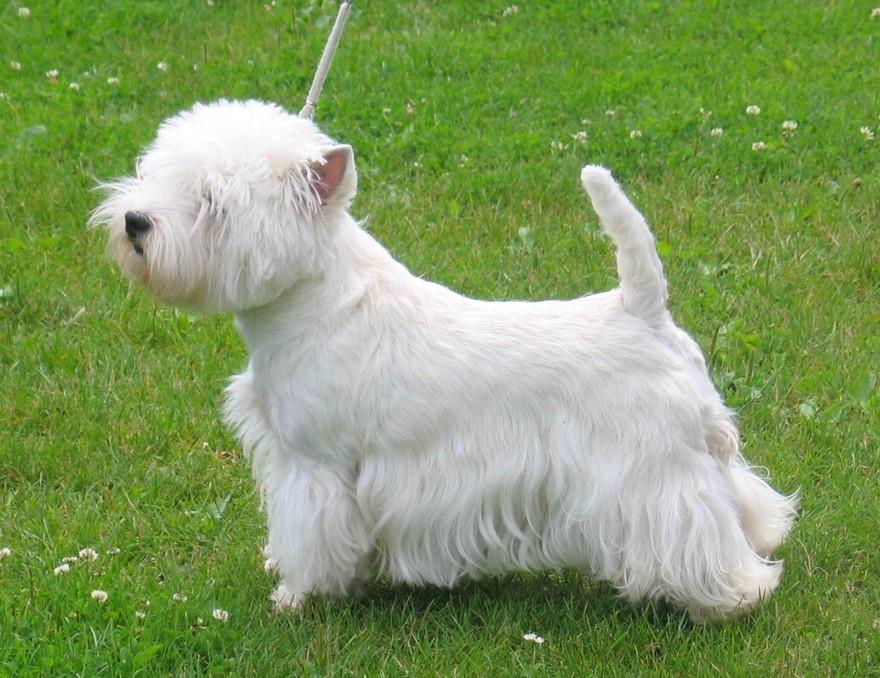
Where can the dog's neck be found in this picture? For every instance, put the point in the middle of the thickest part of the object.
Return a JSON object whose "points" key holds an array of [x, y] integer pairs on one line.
{"points": [[349, 266]]}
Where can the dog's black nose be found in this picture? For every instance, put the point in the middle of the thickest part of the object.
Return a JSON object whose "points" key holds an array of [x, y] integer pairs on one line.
{"points": [[136, 223]]}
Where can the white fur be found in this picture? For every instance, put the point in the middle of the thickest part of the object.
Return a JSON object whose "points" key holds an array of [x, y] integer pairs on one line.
{"points": [[398, 428]]}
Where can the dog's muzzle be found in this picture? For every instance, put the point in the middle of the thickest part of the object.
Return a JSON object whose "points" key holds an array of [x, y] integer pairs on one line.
{"points": [[136, 226]]}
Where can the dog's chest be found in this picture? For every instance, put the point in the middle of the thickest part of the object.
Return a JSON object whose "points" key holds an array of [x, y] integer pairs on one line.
{"points": [[304, 405]]}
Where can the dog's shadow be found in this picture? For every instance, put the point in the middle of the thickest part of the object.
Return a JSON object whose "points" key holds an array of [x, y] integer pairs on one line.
{"points": [[553, 600]]}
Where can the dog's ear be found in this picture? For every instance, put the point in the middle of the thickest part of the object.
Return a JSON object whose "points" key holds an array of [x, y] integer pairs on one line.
{"points": [[335, 178]]}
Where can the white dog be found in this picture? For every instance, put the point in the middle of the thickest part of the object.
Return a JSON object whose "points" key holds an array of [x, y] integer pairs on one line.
{"points": [[397, 428]]}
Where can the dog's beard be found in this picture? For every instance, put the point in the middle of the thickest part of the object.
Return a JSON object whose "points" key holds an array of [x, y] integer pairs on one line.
{"points": [[130, 256], [160, 266]]}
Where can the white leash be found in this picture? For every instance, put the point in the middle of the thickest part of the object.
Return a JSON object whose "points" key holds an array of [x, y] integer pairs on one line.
{"points": [[324, 65]]}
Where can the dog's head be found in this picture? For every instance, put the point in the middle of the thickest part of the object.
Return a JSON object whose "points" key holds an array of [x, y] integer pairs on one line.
{"points": [[229, 205]]}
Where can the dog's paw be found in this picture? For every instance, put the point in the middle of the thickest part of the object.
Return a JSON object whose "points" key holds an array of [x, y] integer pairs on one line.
{"points": [[285, 600]]}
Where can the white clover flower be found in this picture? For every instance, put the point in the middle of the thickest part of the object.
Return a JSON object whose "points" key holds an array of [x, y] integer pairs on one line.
{"points": [[220, 615], [716, 132], [508, 11], [875, 12], [63, 568], [179, 597], [24, 12], [113, 81], [113, 551], [270, 565], [15, 65], [533, 637], [70, 559], [140, 614], [5, 552], [100, 596], [635, 134], [867, 132], [74, 86], [610, 112], [789, 125], [163, 66], [580, 137], [759, 146], [753, 110], [88, 554], [52, 74]]}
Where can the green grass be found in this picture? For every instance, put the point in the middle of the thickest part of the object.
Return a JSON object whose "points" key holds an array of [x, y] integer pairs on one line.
{"points": [[109, 430]]}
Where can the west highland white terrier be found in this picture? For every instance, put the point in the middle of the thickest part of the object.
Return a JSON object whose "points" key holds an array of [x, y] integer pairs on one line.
{"points": [[397, 428]]}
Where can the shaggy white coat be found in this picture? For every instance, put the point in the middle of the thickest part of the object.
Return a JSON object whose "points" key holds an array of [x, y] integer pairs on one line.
{"points": [[398, 428]]}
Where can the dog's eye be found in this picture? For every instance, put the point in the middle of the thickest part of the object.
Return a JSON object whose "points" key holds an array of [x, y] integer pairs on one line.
{"points": [[208, 206]]}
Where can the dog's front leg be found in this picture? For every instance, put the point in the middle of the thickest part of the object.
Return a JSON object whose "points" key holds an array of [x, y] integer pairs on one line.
{"points": [[316, 533]]}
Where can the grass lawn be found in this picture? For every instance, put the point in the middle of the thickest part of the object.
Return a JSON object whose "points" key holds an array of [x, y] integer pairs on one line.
{"points": [[471, 121]]}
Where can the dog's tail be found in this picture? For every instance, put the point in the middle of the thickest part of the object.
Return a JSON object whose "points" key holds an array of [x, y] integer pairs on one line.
{"points": [[642, 284]]}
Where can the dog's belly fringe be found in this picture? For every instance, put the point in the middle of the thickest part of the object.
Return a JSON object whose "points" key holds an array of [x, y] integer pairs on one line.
{"points": [[666, 528], [444, 514], [496, 498]]}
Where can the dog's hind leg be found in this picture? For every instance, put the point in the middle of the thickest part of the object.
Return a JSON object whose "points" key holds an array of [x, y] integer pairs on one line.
{"points": [[683, 541], [766, 515]]}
